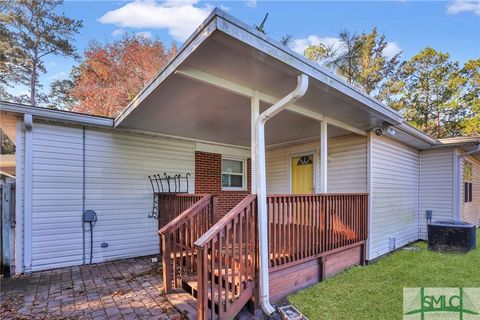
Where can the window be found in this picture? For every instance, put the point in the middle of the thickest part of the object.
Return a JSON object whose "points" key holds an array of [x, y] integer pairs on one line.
{"points": [[467, 180], [233, 174], [305, 160]]}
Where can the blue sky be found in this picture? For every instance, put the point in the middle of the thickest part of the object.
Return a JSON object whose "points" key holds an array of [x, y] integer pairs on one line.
{"points": [[409, 26]]}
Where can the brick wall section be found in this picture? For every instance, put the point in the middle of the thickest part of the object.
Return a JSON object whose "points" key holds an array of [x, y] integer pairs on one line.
{"points": [[208, 179]]}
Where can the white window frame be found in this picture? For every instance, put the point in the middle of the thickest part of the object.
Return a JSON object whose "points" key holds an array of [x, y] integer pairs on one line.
{"points": [[469, 182], [244, 186]]}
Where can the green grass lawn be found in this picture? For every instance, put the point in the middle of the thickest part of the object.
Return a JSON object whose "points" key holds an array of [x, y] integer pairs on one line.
{"points": [[376, 291]]}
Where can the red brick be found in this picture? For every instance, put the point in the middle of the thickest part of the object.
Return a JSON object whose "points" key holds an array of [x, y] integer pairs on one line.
{"points": [[208, 179]]}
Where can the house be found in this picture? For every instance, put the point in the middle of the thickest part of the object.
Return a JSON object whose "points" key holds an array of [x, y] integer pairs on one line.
{"points": [[330, 176]]}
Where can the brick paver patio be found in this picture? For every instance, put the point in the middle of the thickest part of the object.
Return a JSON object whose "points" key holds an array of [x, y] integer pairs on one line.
{"points": [[125, 289]]}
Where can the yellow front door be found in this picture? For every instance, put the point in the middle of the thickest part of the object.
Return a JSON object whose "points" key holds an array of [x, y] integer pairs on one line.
{"points": [[302, 174]]}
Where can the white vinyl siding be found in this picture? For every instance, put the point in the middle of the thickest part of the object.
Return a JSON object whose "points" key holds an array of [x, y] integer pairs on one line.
{"points": [[471, 210], [117, 188], [56, 196], [437, 187], [347, 164], [278, 165], [395, 190]]}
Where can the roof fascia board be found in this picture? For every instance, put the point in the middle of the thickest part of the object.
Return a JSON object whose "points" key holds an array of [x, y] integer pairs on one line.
{"points": [[460, 141], [408, 129], [238, 30], [192, 43], [51, 114]]}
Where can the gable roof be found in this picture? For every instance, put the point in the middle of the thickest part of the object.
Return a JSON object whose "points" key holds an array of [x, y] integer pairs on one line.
{"points": [[231, 29]]}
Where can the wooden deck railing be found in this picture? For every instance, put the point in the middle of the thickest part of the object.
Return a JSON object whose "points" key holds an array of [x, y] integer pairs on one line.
{"points": [[178, 236], [171, 205], [227, 262], [302, 226]]}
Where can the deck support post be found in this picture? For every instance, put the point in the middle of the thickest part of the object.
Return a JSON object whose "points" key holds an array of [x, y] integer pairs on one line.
{"points": [[167, 267], [323, 156]]}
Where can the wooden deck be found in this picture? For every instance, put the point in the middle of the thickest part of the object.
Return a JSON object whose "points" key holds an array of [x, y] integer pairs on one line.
{"points": [[211, 269]]}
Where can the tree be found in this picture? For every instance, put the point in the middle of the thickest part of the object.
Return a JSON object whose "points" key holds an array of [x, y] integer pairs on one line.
{"points": [[426, 89], [33, 30], [343, 59], [375, 67], [471, 97], [359, 59], [59, 97], [112, 74]]}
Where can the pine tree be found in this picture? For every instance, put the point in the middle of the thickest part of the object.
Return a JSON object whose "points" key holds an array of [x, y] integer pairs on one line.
{"points": [[33, 30], [427, 90]]}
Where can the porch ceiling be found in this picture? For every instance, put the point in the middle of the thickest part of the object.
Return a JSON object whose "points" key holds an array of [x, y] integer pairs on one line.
{"points": [[182, 106]]}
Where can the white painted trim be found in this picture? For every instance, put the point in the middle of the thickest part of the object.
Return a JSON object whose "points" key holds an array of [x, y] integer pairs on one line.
{"points": [[419, 194], [66, 116], [369, 190], [173, 137], [230, 86], [323, 157], [457, 190], [414, 132], [244, 174], [315, 168], [18, 195], [27, 195], [293, 142], [223, 150]]}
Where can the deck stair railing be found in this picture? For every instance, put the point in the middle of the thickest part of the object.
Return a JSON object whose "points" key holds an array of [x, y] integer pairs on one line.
{"points": [[179, 256], [227, 262]]}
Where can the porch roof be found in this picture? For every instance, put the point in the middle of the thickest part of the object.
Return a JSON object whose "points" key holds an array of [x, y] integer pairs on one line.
{"points": [[205, 91]]}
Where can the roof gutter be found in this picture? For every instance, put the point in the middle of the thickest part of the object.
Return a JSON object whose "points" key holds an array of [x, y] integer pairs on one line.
{"points": [[297, 93], [417, 134], [56, 115], [477, 149]]}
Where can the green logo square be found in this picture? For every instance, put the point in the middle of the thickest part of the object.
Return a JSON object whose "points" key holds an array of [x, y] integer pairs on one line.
{"points": [[441, 303]]}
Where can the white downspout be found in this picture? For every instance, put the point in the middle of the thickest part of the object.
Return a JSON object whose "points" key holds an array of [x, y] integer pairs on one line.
{"points": [[260, 174], [27, 189], [477, 149]]}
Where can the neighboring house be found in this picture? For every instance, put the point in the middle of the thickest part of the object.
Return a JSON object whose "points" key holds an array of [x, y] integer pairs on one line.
{"points": [[200, 116]]}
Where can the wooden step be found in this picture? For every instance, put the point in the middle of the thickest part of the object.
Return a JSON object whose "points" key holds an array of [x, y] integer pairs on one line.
{"points": [[235, 303], [190, 286], [185, 303]]}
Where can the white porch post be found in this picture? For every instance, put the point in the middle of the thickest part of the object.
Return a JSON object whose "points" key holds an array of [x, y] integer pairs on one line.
{"points": [[323, 157], [255, 110]]}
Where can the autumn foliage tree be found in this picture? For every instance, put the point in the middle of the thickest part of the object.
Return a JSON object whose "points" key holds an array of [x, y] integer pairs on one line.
{"points": [[112, 74]]}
